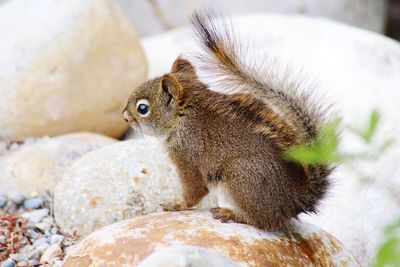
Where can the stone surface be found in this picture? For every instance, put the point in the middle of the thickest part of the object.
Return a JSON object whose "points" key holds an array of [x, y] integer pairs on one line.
{"points": [[358, 72], [183, 256], [130, 242], [68, 69], [36, 167], [150, 17], [116, 182]]}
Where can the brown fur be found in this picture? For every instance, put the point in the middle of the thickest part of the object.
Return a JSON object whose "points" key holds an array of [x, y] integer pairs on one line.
{"points": [[234, 140]]}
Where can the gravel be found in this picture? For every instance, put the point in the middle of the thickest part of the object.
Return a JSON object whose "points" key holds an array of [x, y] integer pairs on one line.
{"points": [[28, 233]]}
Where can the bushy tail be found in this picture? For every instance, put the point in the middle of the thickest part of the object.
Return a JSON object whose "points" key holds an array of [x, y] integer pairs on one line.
{"points": [[231, 69], [224, 60]]}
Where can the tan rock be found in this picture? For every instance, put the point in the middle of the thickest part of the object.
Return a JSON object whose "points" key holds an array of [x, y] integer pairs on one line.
{"points": [[37, 167], [116, 182], [129, 242], [66, 66]]}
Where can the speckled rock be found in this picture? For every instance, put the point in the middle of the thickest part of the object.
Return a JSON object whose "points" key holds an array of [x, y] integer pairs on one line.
{"points": [[68, 69], [116, 182], [358, 72], [36, 167], [130, 242]]}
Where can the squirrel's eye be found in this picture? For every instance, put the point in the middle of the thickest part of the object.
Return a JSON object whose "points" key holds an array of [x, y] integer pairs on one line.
{"points": [[142, 107]]}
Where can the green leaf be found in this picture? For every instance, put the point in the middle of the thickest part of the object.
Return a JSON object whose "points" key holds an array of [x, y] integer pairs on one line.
{"points": [[388, 254], [372, 126], [322, 151], [368, 133]]}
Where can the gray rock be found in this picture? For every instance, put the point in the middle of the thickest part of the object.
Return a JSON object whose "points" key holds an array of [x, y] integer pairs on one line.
{"points": [[8, 263], [16, 197], [18, 257], [33, 203], [34, 254], [40, 242], [56, 239], [35, 216], [3, 201], [3, 239], [32, 233], [33, 262]]}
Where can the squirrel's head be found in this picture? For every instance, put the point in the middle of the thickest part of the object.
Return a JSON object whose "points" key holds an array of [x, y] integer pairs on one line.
{"points": [[157, 105]]}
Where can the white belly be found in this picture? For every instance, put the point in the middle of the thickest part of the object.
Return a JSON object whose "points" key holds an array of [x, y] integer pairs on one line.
{"points": [[217, 197]]}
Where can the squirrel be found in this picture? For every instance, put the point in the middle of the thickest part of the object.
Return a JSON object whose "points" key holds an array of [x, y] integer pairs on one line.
{"points": [[233, 142]]}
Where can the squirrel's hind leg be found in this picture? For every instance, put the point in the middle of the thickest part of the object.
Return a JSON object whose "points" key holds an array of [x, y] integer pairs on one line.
{"points": [[263, 201]]}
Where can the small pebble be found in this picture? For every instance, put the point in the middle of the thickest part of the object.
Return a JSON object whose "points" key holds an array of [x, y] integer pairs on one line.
{"points": [[16, 197], [33, 262], [34, 254], [32, 233], [33, 203], [54, 230], [35, 216], [3, 201], [18, 257], [57, 263], [43, 226], [8, 263], [51, 254], [41, 248], [39, 242], [3, 239], [56, 239]]}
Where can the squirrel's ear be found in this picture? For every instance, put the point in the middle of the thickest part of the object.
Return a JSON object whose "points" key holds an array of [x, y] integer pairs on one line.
{"points": [[183, 66], [172, 87]]}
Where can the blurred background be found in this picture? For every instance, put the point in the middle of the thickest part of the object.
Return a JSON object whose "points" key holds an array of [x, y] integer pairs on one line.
{"points": [[155, 16]]}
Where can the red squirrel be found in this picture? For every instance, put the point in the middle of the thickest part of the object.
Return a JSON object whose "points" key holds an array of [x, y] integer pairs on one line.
{"points": [[233, 142]]}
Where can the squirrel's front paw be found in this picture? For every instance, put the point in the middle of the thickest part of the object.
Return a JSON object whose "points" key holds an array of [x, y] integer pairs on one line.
{"points": [[224, 215], [173, 206]]}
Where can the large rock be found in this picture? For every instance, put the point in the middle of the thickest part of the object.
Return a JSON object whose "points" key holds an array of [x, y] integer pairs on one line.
{"points": [[184, 256], [37, 167], [129, 242], [121, 181], [66, 66], [152, 17], [358, 71]]}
